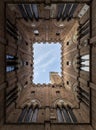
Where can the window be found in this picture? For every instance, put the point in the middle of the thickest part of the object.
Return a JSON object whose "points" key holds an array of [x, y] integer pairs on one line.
{"points": [[11, 96], [68, 63], [57, 33], [33, 93], [66, 115], [67, 82], [67, 43], [59, 115], [28, 114], [58, 93], [11, 29], [36, 32], [71, 114], [11, 62], [84, 64], [26, 43], [22, 115], [83, 96], [26, 82], [25, 63], [10, 68], [9, 57], [35, 113]]}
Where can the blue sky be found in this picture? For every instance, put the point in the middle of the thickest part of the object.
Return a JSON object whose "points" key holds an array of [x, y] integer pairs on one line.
{"points": [[47, 58]]}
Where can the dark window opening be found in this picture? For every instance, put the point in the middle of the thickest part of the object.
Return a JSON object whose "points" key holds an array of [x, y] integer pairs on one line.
{"points": [[67, 82], [26, 82], [67, 62], [67, 43], [26, 43], [26, 63], [57, 91], [57, 33], [32, 91]]}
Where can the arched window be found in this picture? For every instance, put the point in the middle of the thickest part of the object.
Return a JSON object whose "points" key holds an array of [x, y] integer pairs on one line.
{"points": [[84, 63], [28, 114], [35, 114], [83, 96], [66, 115], [11, 63], [12, 29], [22, 115], [71, 115], [59, 115], [11, 96]]}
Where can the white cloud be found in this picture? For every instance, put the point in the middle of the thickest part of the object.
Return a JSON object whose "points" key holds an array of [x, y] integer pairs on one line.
{"points": [[41, 58], [36, 74], [44, 65]]}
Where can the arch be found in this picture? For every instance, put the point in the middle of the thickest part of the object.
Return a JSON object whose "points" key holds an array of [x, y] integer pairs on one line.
{"points": [[64, 111], [31, 102], [61, 102]]}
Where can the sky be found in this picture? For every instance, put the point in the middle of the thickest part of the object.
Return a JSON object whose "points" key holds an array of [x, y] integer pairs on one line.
{"points": [[47, 58]]}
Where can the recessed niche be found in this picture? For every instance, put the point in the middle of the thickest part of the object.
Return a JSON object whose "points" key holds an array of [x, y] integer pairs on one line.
{"points": [[57, 91], [67, 62], [67, 43], [67, 82], [32, 91]]}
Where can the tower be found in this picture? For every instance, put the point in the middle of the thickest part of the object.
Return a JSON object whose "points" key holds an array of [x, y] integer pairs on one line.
{"points": [[68, 100]]}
